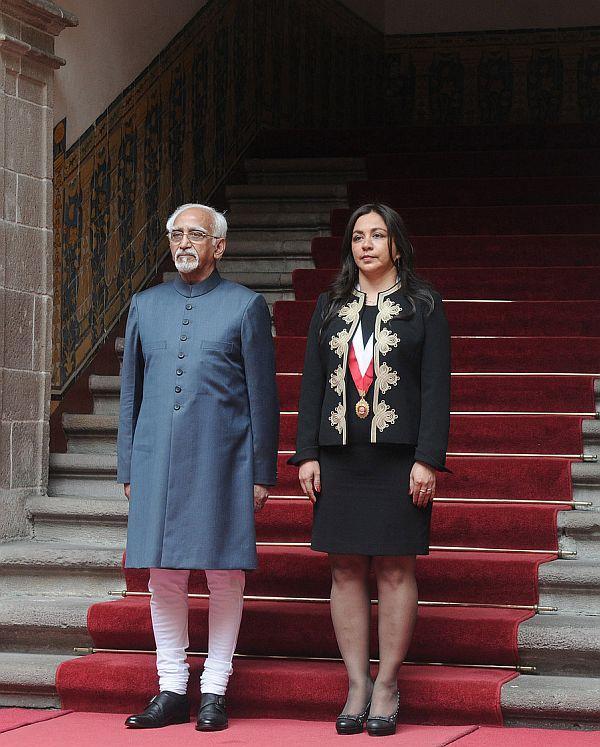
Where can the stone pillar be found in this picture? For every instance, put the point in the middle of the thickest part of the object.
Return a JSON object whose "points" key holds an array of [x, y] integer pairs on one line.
{"points": [[27, 64]]}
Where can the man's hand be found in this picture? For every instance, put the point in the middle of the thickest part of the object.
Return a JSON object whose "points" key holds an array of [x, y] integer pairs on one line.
{"points": [[261, 494], [310, 479], [127, 489], [422, 484]]}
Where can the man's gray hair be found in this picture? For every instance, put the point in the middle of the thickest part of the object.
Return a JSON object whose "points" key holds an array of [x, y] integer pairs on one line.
{"points": [[219, 227]]}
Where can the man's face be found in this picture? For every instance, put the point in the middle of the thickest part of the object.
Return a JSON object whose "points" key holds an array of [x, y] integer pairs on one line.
{"points": [[191, 255]]}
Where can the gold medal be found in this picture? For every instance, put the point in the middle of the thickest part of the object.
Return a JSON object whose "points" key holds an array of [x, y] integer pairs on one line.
{"points": [[362, 406]]}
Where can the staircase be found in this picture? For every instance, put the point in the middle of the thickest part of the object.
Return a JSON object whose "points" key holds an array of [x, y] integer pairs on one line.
{"points": [[517, 259]]}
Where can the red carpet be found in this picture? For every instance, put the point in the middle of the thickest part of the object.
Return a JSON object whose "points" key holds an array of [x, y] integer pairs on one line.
{"points": [[483, 251], [503, 283], [16, 718], [494, 355], [101, 729], [518, 318], [476, 393], [488, 229], [278, 689], [405, 193]]}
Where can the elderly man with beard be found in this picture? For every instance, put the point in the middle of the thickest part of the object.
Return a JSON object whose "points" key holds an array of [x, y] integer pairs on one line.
{"points": [[197, 450]]}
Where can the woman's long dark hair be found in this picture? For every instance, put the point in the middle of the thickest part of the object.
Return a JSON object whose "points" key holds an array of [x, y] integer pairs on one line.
{"points": [[412, 285]]}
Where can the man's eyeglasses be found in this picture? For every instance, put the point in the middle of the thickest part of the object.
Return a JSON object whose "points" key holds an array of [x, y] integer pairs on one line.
{"points": [[195, 236]]}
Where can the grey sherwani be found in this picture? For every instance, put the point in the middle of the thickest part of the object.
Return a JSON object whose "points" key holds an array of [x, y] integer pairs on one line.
{"points": [[198, 424]]}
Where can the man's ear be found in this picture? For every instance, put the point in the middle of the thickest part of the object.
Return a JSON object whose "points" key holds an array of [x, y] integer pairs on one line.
{"points": [[220, 249]]}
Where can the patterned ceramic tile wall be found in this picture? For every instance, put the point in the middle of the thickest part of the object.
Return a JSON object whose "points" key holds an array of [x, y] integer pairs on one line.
{"points": [[175, 132], [503, 77]]}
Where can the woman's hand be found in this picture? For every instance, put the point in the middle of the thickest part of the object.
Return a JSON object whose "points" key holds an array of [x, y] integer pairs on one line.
{"points": [[422, 484], [310, 478], [127, 490], [261, 495]]}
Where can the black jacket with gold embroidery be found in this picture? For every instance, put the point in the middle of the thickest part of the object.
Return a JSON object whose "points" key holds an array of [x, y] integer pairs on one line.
{"points": [[411, 362]]}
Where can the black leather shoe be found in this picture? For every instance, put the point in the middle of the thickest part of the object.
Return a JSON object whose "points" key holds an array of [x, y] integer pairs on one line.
{"points": [[163, 710], [212, 714], [383, 726], [347, 723]]}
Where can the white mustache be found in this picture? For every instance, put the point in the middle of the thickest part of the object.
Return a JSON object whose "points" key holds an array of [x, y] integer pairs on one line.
{"points": [[186, 253]]}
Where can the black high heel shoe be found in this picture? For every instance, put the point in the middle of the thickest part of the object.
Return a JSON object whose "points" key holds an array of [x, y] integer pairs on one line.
{"points": [[347, 723], [383, 726]]}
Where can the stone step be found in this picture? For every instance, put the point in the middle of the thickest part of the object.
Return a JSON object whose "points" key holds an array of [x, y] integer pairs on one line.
{"points": [[580, 531], [299, 192], [270, 293], [27, 680], [249, 247], [276, 234], [571, 585], [591, 437], [105, 391], [284, 206], [44, 625], [552, 701], [79, 520], [31, 568], [230, 266], [304, 170], [586, 482], [561, 644], [257, 281], [269, 220], [84, 474]]}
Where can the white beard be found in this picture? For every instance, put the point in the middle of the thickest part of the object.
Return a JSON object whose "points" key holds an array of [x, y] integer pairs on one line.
{"points": [[187, 263]]}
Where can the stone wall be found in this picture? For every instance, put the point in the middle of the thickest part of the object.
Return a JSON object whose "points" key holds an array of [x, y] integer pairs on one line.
{"points": [[27, 64]]}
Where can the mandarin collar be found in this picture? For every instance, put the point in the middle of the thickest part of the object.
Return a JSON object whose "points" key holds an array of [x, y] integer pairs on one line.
{"points": [[197, 289]]}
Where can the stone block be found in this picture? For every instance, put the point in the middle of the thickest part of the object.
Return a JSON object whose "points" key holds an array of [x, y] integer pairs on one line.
{"points": [[5, 454], [10, 26], [10, 195], [24, 395], [25, 125], [32, 209], [10, 83], [37, 38], [26, 455], [42, 334], [18, 321], [29, 261], [32, 90]]}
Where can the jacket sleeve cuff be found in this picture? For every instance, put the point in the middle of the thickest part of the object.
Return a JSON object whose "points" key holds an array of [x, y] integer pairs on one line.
{"points": [[310, 452], [427, 459]]}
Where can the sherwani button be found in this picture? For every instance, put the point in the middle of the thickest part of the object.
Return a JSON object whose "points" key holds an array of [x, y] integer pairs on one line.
{"points": [[181, 355], [188, 306], [179, 372], [183, 338], [177, 389], [176, 407], [186, 321]]}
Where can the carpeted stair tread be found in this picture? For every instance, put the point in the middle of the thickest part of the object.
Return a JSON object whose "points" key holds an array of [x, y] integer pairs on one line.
{"points": [[509, 434], [459, 635], [124, 683], [502, 525], [520, 318], [487, 354], [475, 191], [504, 283], [482, 577], [522, 478], [530, 250], [484, 393]]}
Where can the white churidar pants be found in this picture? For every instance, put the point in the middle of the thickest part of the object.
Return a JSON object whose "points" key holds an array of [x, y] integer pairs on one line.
{"points": [[169, 609]]}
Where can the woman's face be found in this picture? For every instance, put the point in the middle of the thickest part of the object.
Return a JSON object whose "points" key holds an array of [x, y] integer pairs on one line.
{"points": [[370, 245]]}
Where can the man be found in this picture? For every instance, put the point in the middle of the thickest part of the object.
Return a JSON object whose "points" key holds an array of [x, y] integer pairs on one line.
{"points": [[197, 450]]}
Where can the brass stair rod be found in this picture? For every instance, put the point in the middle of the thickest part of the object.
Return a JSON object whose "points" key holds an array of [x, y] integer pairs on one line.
{"points": [[83, 651], [320, 600], [471, 500], [449, 548]]}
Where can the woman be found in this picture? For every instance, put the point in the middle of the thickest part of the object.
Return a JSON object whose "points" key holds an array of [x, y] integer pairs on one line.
{"points": [[372, 431]]}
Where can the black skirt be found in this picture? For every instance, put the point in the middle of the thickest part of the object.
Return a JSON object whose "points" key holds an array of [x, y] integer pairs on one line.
{"points": [[364, 507]]}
